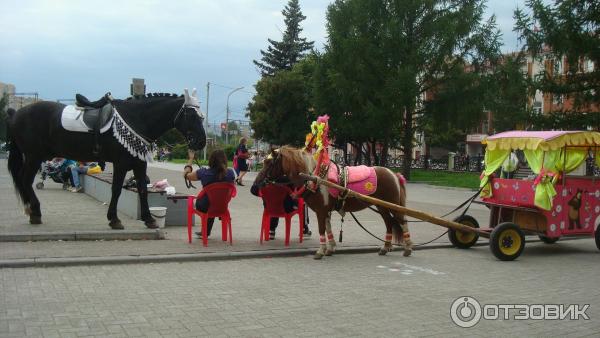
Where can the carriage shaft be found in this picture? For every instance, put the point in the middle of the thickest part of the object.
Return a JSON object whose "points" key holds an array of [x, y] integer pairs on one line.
{"points": [[407, 211]]}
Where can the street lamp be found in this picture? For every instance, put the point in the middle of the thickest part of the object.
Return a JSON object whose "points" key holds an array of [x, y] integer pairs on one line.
{"points": [[227, 115]]}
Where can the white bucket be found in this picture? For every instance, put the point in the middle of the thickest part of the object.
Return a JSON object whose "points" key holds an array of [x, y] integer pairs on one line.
{"points": [[159, 214]]}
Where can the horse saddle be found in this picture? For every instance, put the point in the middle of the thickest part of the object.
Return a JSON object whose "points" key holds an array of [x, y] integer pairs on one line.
{"points": [[96, 118], [83, 101], [95, 115], [361, 179], [87, 119]]}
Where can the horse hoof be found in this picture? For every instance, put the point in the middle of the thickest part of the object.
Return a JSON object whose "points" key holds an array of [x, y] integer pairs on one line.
{"points": [[27, 210], [116, 225], [318, 256], [35, 219], [407, 252], [151, 224], [329, 252], [383, 252]]}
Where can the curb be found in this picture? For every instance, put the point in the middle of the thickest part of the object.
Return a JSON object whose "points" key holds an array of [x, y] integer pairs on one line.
{"points": [[204, 257], [196, 257], [109, 235]]}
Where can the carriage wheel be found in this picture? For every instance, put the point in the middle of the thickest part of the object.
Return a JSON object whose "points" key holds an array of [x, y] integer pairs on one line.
{"points": [[598, 237], [39, 185], [461, 239], [507, 241], [549, 240]]}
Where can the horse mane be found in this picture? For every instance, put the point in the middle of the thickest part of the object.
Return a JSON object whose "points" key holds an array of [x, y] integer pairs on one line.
{"points": [[152, 95], [292, 161]]}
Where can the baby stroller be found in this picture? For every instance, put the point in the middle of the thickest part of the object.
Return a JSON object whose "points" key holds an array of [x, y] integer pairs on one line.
{"points": [[53, 170]]}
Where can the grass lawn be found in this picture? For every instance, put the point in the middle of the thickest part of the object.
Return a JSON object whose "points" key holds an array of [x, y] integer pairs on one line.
{"points": [[445, 178], [184, 161]]}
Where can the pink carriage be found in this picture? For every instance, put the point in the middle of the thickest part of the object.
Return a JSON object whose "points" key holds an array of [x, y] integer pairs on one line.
{"points": [[560, 196]]}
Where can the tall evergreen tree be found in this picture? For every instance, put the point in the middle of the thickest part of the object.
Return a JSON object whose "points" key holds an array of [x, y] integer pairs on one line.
{"points": [[283, 55], [565, 29], [280, 111]]}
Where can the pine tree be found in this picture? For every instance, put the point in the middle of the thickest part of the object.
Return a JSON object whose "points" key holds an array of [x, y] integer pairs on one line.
{"points": [[282, 55], [565, 31]]}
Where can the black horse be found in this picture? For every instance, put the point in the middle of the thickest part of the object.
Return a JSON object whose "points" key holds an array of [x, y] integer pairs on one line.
{"points": [[36, 134]]}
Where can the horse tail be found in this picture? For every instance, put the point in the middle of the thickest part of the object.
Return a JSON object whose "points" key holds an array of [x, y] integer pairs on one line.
{"points": [[15, 159], [397, 229]]}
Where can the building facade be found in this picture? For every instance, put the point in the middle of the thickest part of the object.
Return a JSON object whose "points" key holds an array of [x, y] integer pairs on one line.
{"points": [[17, 100]]}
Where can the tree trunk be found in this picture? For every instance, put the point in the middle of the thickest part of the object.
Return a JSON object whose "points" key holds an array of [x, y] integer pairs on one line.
{"points": [[359, 153], [407, 142], [345, 154], [376, 159], [384, 155]]}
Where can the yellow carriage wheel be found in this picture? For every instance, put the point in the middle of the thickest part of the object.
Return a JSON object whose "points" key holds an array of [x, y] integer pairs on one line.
{"points": [[507, 241], [463, 239]]}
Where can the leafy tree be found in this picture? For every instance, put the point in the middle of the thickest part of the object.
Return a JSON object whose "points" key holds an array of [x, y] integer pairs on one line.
{"points": [[283, 55], [383, 56], [170, 138], [3, 117], [279, 112], [565, 121], [454, 108], [507, 94], [565, 29]]}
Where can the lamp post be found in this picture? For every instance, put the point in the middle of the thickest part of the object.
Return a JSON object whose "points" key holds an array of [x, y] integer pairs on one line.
{"points": [[227, 115]]}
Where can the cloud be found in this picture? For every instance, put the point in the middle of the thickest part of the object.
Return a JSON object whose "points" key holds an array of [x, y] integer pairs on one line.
{"points": [[59, 47]]}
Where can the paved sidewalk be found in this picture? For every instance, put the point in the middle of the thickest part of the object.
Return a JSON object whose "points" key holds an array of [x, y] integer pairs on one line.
{"points": [[71, 213]]}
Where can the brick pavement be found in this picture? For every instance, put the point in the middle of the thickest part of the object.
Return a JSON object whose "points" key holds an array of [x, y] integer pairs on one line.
{"points": [[347, 295], [63, 211]]}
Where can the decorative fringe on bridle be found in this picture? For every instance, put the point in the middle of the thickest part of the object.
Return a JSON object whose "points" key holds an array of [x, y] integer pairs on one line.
{"points": [[135, 144]]}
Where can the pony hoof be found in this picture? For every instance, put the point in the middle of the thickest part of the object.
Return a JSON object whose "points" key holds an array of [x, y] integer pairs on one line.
{"points": [[35, 219], [329, 252], [116, 225], [318, 256], [151, 224], [383, 252], [27, 210], [407, 252]]}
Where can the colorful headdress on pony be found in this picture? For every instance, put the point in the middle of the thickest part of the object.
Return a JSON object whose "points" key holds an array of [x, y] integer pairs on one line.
{"points": [[318, 139]]}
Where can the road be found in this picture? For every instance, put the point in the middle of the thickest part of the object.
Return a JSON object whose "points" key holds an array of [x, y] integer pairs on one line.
{"points": [[340, 296]]}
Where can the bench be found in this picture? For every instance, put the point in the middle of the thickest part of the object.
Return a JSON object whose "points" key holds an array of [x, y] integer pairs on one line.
{"points": [[99, 186]]}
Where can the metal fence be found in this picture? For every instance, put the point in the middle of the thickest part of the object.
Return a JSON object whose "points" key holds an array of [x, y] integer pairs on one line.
{"points": [[397, 162], [461, 163]]}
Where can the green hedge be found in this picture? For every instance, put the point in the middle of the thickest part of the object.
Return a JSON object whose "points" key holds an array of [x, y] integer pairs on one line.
{"points": [[180, 151]]}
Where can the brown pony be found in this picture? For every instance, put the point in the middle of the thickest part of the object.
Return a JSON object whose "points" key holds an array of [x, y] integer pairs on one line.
{"points": [[288, 161]]}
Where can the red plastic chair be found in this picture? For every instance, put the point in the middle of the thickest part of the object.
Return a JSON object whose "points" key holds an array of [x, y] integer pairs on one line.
{"points": [[273, 196], [219, 195]]}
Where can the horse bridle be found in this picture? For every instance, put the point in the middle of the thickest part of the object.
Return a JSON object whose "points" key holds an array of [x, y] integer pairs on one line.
{"points": [[188, 137], [267, 179]]}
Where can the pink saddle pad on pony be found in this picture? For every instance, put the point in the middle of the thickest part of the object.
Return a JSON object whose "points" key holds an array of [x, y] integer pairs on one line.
{"points": [[361, 179]]}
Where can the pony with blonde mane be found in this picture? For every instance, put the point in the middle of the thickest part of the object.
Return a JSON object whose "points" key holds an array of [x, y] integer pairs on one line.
{"points": [[290, 162]]}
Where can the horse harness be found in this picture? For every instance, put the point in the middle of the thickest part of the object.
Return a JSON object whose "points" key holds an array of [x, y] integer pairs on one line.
{"points": [[97, 113]]}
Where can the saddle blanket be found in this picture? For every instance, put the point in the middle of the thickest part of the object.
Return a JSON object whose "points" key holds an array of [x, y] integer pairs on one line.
{"points": [[72, 120], [361, 179]]}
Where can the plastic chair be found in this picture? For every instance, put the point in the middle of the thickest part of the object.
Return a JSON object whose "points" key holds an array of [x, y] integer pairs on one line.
{"points": [[273, 196], [219, 195]]}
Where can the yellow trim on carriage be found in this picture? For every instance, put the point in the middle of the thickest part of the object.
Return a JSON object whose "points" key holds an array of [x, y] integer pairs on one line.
{"points": [[530, 141]]}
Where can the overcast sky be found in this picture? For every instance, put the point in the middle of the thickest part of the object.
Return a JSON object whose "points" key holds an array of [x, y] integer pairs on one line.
{"points": [[60, 47]]}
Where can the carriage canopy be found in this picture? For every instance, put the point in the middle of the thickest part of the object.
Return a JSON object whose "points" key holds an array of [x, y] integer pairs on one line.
{"points": [[549, 154]]}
